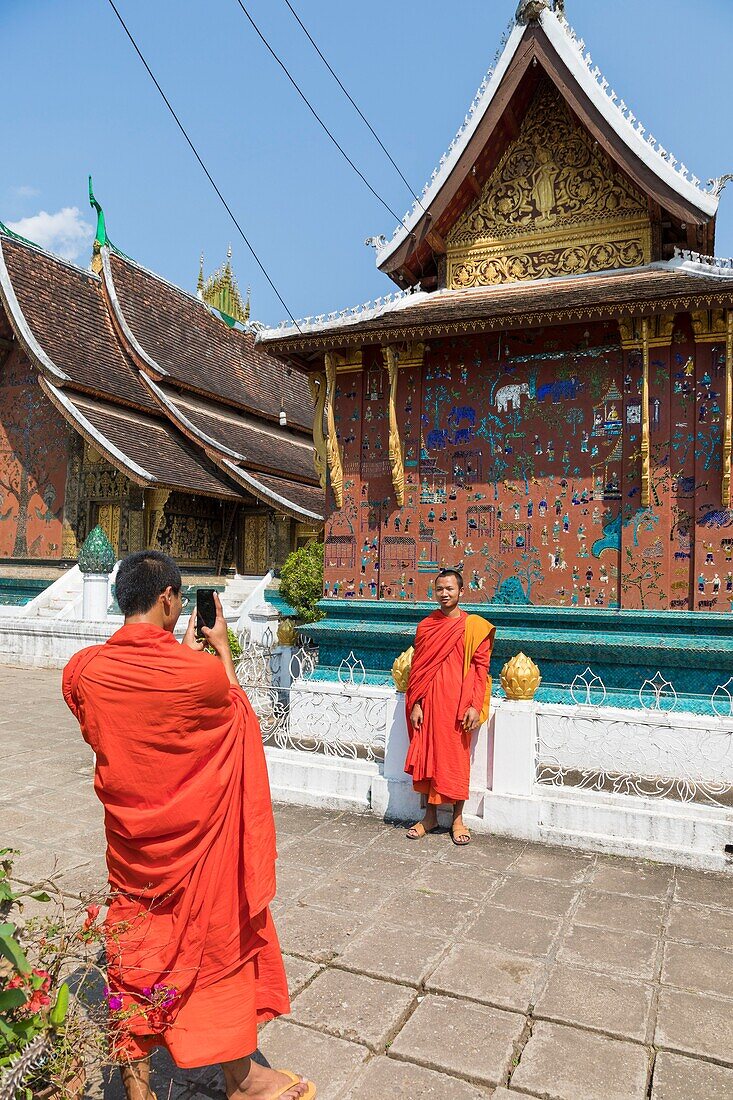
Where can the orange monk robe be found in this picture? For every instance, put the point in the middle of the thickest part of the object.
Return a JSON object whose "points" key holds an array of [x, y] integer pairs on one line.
{"points": [[193, 958], [449, 674]]}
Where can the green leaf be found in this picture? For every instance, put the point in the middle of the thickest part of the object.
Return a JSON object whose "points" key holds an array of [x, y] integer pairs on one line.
{"points": [[41, 897], [11, 998], [12, 951], [8, 929], [57, 1014]]}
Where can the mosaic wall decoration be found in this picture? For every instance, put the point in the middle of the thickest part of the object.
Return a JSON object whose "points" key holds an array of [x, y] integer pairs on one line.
{"points": [[523, 469], [33, 452]]}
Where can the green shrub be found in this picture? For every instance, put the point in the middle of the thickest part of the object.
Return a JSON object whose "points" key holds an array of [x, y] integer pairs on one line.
{"points": [[234, 645], [301, 581]]}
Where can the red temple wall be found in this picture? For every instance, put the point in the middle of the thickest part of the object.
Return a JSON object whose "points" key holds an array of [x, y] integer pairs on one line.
{"points": [[33, 460], [523, 468]]}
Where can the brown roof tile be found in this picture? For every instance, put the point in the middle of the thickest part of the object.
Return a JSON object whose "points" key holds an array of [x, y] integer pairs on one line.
{"points": [[157, 447], [526, 303], [179, 333], [65, 310]]}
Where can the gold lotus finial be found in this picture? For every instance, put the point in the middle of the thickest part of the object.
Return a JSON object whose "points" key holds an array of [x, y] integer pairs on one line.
{"points": [[401, 669], [520, 677], [286, 632]]}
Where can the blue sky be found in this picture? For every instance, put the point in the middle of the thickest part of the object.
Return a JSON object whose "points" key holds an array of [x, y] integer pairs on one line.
{"points": [[77, 100]]}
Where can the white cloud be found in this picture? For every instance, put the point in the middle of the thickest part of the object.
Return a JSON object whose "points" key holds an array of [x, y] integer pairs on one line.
{"points": [[65, 232], [26, 192]]}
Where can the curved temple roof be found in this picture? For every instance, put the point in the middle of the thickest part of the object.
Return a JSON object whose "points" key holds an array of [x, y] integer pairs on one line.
{"points": [[640, 146], [211, 428]]}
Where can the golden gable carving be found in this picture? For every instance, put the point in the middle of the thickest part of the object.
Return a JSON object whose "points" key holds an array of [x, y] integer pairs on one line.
{"points": [[554, 205]]}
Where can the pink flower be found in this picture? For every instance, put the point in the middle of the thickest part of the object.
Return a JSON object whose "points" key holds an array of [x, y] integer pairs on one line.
{"points": [[114, 1000]]}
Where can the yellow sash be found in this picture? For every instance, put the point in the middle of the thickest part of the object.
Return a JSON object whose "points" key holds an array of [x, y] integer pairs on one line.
{"points": [[478, 630]]}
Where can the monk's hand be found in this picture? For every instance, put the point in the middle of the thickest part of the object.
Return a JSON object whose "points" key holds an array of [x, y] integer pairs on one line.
{"points": [[189, 638], [416, 716], [217, 636], [471, 720]]}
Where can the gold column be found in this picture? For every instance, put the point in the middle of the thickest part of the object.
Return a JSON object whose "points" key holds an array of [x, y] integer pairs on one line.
{"points": [[317, 384], [333, 452], [395, 443], [728, 425], [645, 446], [155, 502]]}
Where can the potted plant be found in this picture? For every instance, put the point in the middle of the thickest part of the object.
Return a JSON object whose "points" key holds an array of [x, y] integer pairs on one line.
{"points": [[45, 1028]]}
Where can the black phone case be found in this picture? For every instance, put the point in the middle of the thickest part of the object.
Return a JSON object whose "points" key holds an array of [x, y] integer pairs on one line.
{"points": [[205, 608]]}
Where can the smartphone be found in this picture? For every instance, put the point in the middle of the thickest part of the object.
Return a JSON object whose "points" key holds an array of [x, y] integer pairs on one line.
{"points": [[205, 609]]}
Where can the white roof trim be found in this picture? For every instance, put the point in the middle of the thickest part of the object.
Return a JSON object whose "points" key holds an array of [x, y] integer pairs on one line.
{"points": [[717, 267], [104, 444], [388, 303], [24, 329], [121, 319], [571, 51], [269, 494], [179, 418]]}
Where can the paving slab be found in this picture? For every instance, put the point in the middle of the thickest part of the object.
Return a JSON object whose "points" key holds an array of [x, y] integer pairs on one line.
{"points": [[393, 869], [388, 1079], [332, 1064], [563, 1063], [677, 1078], [436, 912], [315, 933], [628, 876], [554, 863], [355, 1007], [525, 933], [625, 953], [620, 912], [461, 1038], [702, 969], [315, 852], [351, 894], [704, 888], [299, 972], [488, 975], [612, 1005], [695, 1024], [456, 879], [405, 955], [535, 896], [701, 924]]}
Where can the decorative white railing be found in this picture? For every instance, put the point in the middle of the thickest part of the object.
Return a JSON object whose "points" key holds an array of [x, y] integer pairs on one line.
{"points": [[651, 752], [342, 719]]}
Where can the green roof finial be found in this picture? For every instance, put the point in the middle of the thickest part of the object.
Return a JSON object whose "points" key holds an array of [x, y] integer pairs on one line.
{"points": [[101, 234], [97, 555]]}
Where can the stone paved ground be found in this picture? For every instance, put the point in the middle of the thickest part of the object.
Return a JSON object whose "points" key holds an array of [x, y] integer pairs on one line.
{"points": [[504, 969]]}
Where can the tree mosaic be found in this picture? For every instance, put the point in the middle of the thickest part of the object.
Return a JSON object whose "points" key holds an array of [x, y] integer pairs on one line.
{"points": [[33, 453]]}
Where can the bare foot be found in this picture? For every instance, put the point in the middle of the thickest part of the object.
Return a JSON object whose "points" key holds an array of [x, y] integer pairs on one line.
{"points": [[264, 1084]]}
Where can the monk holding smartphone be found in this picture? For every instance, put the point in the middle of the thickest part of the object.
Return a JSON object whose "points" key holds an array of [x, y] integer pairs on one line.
{"points": [[193, 959], [447, 699]]}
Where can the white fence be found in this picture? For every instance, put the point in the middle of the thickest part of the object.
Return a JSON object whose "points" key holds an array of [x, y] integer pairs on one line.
{"points": [[651, 781]]}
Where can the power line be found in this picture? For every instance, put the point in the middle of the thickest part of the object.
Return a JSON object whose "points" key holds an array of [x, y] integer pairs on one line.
{"points": [[208, 174], [356, 107], [315, 114]]}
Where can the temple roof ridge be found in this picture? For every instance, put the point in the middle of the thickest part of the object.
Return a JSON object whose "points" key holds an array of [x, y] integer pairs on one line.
{"points": [[572, 50], [5, 231], [687, 260]]}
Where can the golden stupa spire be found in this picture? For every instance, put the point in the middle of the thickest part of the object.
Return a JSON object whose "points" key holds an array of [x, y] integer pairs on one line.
{"points": [[220, 291]]}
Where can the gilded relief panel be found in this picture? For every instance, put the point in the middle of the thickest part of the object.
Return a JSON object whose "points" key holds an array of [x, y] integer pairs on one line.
{"points": [[555, 205]]}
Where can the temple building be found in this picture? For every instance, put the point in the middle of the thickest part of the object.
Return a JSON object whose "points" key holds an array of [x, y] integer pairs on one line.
{"points": [[545, 403], [128, 402]]}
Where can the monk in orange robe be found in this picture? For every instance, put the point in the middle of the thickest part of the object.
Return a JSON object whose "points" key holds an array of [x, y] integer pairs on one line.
{"points": [[447, 699], [194, 962]]}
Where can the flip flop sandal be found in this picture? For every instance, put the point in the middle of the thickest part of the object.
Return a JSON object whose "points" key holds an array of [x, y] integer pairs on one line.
{"points": [[310, 1092], [419, 831], [462, 839]]}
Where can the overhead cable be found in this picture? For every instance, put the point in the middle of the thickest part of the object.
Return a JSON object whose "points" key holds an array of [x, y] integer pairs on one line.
{"points": [[355, 105], [315, 114], [207, 173]]}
